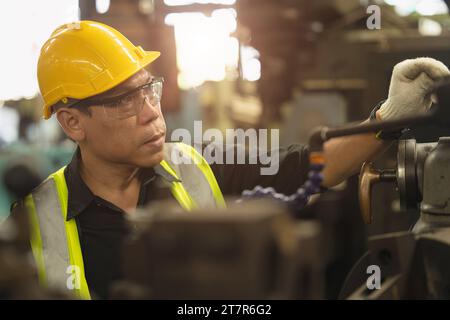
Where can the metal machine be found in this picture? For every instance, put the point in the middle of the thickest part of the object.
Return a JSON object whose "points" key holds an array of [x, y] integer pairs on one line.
{"points": [[253, 250], [414, 264], [411, 264]]}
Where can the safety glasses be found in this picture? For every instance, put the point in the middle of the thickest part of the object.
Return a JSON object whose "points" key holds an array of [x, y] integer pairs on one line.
{"points": [[130, 103]]}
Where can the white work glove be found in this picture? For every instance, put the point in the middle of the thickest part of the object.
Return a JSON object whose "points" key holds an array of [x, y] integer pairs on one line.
{"points": [[410, 88]]}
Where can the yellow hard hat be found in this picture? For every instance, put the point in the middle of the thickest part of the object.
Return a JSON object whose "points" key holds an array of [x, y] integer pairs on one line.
{"points": [[85, 58]]}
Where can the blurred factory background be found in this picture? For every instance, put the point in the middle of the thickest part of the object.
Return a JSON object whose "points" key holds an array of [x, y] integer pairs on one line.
{"points": [[286, 64]]}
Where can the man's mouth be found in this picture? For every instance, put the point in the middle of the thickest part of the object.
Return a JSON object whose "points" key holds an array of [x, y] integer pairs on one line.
{"points": [[156, 141]]}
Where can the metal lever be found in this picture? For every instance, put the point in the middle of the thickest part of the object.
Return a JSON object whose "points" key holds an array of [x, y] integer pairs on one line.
{"points": [[367, 178]]}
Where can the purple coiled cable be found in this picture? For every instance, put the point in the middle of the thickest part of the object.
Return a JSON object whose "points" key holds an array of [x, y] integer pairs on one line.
{"points": [[296, 201]]}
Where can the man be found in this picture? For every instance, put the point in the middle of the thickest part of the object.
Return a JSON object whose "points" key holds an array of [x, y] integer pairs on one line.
{"points": [[104, 98]]}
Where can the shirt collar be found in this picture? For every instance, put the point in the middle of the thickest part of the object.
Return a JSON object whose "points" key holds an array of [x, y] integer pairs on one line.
{"points": [[79, 194]]}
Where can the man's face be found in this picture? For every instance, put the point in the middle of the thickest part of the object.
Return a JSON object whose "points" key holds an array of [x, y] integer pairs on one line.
{"points": [[137, 140]]}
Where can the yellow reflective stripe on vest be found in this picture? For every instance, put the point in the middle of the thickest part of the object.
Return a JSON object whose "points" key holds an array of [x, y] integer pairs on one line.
{"points": [[178, 190], [206, 169], [35, 239], [55, 250], [73, 241]]}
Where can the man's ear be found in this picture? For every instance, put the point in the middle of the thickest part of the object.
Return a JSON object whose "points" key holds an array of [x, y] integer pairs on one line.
{"points": [[71, 122]]}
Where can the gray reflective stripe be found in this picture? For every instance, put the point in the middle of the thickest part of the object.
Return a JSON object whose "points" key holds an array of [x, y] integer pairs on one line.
{"points": [[53, 234], [192, 178]]}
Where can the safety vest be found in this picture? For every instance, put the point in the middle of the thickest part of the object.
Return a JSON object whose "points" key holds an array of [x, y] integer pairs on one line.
{"points": [[54, 240]]}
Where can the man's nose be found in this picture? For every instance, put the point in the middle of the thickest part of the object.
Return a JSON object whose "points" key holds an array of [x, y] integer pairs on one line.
{"points": [[149, 112]]}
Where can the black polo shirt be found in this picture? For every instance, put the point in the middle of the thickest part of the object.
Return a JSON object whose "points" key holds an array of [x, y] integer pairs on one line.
{"points": [[102, 227]]}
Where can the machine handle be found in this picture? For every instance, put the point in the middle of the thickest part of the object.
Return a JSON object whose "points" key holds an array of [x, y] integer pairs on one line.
{"points": [[367, 178]]}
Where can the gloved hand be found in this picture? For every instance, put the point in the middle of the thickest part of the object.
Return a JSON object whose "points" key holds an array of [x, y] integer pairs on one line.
{"points": [[410, 88]]}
